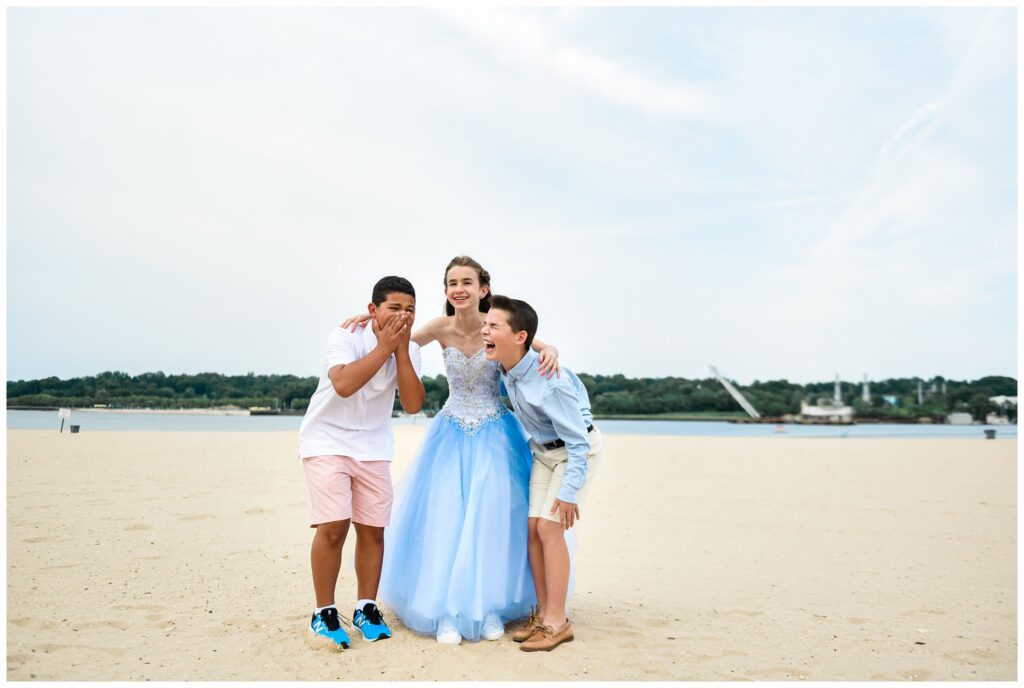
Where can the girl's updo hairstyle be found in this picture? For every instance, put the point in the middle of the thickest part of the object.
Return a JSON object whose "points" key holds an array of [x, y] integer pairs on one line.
{"points": [[483, 277]]}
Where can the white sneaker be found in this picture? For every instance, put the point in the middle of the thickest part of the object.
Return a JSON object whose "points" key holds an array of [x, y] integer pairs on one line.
{"points": [[447, 634], [493, 628]]}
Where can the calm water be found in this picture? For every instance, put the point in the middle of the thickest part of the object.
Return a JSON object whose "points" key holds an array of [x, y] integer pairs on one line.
{"points": [[89, 420]]}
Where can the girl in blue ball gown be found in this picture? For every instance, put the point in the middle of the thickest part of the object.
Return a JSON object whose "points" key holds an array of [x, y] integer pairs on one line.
{"points": [[455, 556]]}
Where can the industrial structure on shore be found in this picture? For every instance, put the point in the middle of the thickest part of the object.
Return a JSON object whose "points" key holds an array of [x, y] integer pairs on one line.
{"points": [[833, 411]]}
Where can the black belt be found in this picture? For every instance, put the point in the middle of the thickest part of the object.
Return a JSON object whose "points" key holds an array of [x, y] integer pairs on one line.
{"points": [[561, 443]]}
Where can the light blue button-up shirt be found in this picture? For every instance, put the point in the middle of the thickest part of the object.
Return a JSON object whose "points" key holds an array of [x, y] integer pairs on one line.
{"points": [[550, 409]]}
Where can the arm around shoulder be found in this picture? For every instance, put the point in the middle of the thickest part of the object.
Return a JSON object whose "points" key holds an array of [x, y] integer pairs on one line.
{"points": [[428, 332], [548, 358]]}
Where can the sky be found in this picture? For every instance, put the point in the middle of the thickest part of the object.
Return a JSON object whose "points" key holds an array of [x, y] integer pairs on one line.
{"points": [[782, 193]]}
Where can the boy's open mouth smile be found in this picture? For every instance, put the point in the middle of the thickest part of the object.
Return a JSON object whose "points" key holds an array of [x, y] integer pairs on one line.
{"points": [[488, 345]]}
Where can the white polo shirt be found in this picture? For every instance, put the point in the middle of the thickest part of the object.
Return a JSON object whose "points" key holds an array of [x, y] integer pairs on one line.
{"points": [[358, 426]]}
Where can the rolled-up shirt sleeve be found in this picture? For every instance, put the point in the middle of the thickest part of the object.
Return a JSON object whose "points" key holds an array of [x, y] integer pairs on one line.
{"points": [[563, 408]]}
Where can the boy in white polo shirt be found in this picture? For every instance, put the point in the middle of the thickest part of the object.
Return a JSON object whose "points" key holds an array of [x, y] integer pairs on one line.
{"points": [[346, 446]]}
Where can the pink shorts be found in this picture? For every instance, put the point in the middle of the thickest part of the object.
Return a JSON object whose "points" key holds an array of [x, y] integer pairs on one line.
{"points": [[341, 488]]}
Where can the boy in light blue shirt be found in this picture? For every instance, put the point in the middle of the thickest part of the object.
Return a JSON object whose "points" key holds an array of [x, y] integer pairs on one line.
{"points": [[556, 414]]}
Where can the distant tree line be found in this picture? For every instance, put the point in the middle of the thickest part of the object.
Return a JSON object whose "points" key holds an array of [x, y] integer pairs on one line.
{"points": [[205, 390], [610, 395], [619, 395]]}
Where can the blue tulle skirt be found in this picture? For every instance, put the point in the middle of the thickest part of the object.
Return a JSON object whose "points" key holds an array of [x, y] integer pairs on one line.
{"points": [[457, 542]]}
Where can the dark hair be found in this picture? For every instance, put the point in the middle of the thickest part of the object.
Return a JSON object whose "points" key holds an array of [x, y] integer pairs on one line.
{"points": [[390, 285], [521, 315], [482, 275]]}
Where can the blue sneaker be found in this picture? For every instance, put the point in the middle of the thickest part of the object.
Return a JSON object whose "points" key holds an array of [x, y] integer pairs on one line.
{"points": [[371, 623], [326, 628]]}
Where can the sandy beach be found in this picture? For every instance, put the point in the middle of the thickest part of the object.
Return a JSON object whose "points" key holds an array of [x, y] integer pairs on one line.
{"points": [[184, 556]]}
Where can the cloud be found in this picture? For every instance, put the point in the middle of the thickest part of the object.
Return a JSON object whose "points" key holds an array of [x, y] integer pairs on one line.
{"points": [[918, 183], [924, 123], [879, 258], [523, 38]]}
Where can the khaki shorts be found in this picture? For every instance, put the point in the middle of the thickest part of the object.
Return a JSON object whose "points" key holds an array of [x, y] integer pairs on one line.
{"points": [[548, 471]]}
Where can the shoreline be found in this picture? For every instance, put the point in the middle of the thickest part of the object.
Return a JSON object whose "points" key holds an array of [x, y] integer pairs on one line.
{"points": [[598, 417], [182, 411]]}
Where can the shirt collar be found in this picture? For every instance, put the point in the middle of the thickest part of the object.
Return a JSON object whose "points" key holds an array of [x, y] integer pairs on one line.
{"points": [[519, 370]]}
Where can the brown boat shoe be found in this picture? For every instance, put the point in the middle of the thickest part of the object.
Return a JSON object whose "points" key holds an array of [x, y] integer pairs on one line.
{"points": [[530, 626], [547, 638]]}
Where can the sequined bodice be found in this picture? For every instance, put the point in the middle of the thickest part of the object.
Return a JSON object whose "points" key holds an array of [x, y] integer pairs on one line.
{"points": [[473, 389]]}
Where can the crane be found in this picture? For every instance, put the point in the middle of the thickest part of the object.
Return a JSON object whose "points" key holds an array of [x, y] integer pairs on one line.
{"points": [[747, 406]]}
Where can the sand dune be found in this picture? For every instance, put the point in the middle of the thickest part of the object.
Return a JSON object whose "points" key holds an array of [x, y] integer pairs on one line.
{"points": [[182, 556]]}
